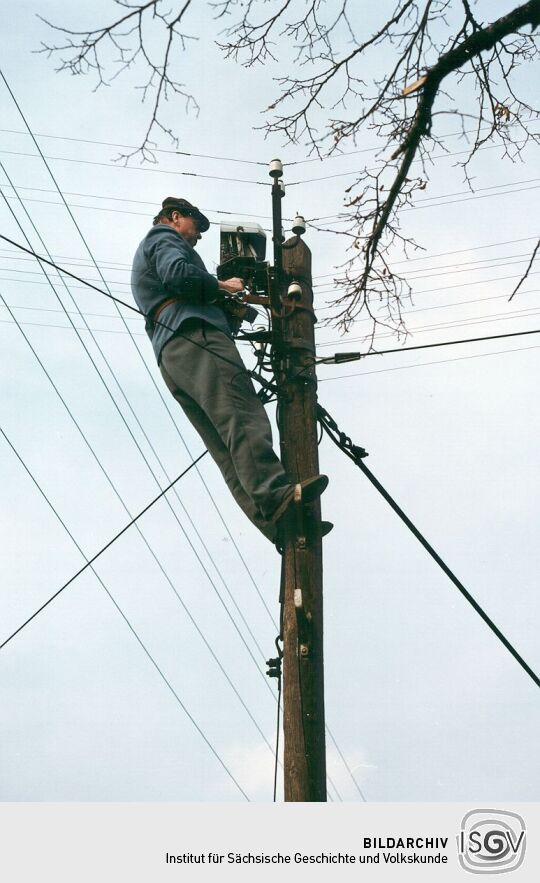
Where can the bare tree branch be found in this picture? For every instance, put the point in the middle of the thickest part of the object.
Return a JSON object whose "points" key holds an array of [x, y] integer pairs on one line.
{"points": [[443, 60], [527, 271]]}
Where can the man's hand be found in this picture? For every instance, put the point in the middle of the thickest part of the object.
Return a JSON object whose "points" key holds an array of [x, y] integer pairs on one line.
{"points": [[232, 286]]}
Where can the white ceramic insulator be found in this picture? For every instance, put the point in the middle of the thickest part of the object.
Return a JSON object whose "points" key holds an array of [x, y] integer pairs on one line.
{"points": [[276, 168], [294, 291], [299, 225]]}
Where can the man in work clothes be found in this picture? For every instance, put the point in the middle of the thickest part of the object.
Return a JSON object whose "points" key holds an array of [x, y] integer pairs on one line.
{"points": [[191, 334]]}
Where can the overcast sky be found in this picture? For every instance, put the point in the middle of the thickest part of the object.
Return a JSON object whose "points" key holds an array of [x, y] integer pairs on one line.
{"points": [[423, 701]]}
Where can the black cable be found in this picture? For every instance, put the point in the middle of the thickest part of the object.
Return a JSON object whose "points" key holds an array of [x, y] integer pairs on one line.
{"points": [[422, 346], [414, 311], [161, 396], [356, 454], [119, 266], [459, 585], [127, 426], [103, 549], [123, 303], [324, 287], [175, 516], [217, 211], [140, 355], [100, 208], [123, 615], [518, 349], [251, 162]]}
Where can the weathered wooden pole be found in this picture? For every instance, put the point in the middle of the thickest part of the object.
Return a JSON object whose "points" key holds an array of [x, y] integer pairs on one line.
{"points": [[303, 671]]}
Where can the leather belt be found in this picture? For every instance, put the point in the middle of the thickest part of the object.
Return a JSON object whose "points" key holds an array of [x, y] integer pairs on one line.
{"points": [[154, 315]]}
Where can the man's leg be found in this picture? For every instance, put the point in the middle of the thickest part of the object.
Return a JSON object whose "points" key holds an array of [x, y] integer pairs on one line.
{"points": [[178, 376]]}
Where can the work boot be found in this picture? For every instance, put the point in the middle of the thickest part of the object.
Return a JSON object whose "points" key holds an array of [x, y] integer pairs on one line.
{"points": [[304, 492]]}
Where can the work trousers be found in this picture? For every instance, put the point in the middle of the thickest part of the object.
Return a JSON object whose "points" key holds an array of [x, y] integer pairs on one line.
{"points": [[205, 373]]}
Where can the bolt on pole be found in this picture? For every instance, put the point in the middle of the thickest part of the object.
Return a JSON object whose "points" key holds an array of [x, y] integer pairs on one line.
{"points": [[293, 347]]}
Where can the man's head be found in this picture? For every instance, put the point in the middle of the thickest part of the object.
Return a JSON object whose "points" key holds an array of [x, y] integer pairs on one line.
{"points": [[183, 217]]}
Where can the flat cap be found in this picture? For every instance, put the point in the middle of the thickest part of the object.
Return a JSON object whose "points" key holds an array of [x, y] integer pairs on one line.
{"points": [[188, 210]]}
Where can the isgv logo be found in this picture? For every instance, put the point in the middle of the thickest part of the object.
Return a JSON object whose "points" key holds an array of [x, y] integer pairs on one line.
{"points": [[491, 841]]}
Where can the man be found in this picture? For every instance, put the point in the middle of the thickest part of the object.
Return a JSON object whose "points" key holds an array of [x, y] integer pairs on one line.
{"points": [[191, 334]]}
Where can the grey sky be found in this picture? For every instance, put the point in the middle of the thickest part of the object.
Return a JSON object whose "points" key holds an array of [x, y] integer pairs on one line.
{"points": [[424, 702]]}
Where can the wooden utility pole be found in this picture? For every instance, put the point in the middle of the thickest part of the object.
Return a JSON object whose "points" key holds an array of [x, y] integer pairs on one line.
{"points": [[293, 341]]}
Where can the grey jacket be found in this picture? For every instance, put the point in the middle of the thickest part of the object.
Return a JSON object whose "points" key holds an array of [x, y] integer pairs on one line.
{"points": [[165, 266]]}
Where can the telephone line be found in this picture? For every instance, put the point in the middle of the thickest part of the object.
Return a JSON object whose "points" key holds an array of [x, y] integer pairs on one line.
{"points": [[443, 288], [518, 349], [89, 563], [217, 177], [425, 346], [443, 196], [173, 512], [357, 454], [525, 313], [414, 208], [442, 254], [376, 169], [176, 152], [118, 266], [156, 559], [508, 261], [175, 172], [323, 287], [132, 410]]}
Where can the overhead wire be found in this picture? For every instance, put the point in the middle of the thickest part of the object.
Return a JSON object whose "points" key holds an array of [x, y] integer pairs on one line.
{"points": [[426, 364], [310, 223], [160, 171], [468, 192], [162, 398], [355, 171], [489, 319], [445, 287], [175, 151], [176, 517], [119, 266], [507, 261], [357, 454], [413, 208], [443, 254], [89, 563], [49, 262], [183, 604], [424, 346], [173, 512]]}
